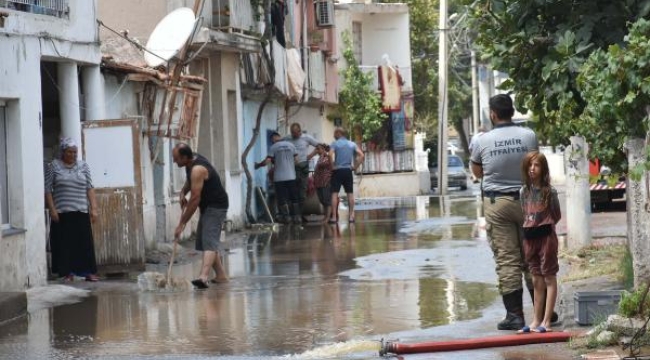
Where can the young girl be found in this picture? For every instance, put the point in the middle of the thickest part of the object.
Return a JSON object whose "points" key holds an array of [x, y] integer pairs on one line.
{"points": [[322, 177], [541, 209]]}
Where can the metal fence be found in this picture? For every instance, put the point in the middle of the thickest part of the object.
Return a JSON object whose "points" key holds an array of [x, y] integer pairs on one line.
{"points": [[58, 8]]}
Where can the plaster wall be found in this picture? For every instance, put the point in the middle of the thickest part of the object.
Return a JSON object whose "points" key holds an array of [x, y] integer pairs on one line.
{"points": [[19, 76], [389, 185], [139, 17], [80, 27], [121, 100]]}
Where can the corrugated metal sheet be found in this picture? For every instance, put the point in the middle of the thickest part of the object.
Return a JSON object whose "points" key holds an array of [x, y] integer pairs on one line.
{"points": [[119, 232]]}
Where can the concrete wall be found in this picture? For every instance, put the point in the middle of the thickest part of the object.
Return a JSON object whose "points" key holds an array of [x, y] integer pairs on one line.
{"points": [[138, 16], [161, 210], [80, 27], [312, 121], [269, 122], [23, 256], [383, 32], [391, 185], [638, 219], [221, 130], [555, 165], [386, 34]]}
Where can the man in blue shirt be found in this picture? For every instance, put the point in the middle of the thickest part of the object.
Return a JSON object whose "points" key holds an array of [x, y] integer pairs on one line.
{"points": [[343, 153]]}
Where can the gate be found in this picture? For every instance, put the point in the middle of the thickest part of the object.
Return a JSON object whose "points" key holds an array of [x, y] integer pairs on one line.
{"points": [[112, 150]]}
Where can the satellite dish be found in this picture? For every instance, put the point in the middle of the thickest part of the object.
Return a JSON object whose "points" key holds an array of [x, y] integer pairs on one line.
{"points": [[169, 36]]}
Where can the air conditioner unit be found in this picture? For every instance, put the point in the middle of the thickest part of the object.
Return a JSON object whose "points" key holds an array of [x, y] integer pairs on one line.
{"points": [[324, 10]]}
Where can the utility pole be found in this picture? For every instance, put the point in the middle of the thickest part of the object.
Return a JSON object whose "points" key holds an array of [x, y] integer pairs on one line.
{"points": [[475, 104], [443, 101]]}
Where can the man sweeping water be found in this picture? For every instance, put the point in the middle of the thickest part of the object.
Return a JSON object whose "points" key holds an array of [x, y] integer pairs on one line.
{"points": [[208, 195]]}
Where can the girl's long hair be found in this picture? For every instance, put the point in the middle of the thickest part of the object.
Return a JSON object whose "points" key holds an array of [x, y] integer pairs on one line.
{"points": [[545, 181]]}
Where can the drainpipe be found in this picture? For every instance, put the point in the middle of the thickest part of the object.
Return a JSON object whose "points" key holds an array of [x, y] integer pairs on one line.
{"points": [[305, 51]]}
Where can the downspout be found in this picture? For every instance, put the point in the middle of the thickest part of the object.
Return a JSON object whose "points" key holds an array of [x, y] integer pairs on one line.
{"points": [[305, 52]]}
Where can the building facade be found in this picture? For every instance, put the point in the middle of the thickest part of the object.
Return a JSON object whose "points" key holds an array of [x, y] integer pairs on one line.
{"points": [[49, 68]]}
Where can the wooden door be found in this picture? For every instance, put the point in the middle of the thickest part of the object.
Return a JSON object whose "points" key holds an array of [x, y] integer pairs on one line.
{"points": [[112, 150]]}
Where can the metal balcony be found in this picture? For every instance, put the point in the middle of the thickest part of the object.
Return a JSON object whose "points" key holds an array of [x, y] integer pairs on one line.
{"points": [[233, 16], [57, 8]]}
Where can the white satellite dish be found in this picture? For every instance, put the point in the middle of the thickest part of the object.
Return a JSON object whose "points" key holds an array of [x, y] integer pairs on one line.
{"points": [[169, 36]]}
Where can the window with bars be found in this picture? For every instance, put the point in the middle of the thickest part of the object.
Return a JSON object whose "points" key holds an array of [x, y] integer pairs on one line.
{"points": [[57, 8]]}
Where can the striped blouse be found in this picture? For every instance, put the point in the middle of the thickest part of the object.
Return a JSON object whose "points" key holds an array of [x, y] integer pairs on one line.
{"points": [[68, 186]]}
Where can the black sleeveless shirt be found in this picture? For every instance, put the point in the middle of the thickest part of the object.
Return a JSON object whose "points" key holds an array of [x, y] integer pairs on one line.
{"points": [[213, 194]]}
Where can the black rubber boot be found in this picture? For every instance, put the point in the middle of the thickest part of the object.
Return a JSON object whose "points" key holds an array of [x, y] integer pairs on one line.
{"points": [[554, 317], [514, 311], [296, 214], [283, 216]]}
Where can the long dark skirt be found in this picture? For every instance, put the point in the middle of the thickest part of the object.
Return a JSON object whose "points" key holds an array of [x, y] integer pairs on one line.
{"points": [[72, 246]]}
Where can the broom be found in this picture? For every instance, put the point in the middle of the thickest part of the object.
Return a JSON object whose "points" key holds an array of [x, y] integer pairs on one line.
{"points": [[156, 282]]}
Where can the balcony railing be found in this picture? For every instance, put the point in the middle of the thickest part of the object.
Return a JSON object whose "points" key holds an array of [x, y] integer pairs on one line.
{"points": [[58, 8], [233, 15], [255, 71], [405, 73]]}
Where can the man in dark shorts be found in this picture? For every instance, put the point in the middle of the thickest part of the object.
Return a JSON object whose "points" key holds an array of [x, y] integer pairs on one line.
{"points": [[284, 156], [208, 195], [346, 158]]}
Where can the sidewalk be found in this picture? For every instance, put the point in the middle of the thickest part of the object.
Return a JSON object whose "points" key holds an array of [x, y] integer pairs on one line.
{"points": [[607, 228]]}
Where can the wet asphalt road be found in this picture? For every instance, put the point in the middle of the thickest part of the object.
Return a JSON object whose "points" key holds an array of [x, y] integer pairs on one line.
{"points": [[410, 269]]}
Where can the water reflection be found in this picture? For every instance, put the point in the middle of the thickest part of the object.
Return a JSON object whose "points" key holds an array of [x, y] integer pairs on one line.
{"points": [[399, 268]]}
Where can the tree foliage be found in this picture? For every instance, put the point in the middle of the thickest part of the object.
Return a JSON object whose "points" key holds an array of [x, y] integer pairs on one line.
{"points": [[543, 44], [359, 103], [616, 87]]}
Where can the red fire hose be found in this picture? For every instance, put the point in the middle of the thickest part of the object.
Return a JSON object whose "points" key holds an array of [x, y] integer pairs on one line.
{"points": [[477, 343]]}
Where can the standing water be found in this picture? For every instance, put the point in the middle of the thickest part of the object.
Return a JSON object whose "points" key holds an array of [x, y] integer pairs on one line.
{"points": [[311, 292]]}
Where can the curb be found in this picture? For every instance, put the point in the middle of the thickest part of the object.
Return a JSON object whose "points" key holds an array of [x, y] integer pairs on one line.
{"points": [[12, 305]]}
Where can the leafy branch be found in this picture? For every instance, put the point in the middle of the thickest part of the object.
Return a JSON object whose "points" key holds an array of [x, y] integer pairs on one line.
{"points": [[359, 103]]}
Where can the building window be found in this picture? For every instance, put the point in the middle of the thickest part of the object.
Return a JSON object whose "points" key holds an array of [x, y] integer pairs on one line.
{"points": [[357, 41], [4, 171], [58, 8]]}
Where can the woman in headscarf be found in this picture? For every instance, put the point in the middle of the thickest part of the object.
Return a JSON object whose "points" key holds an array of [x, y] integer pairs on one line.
{"points": [[70, 197]]}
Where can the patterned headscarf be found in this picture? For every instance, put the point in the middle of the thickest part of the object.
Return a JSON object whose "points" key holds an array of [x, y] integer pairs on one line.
{"points": [[67, 142]]}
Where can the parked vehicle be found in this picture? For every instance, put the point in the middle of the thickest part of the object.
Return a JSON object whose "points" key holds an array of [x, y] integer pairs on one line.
{"points": [[604, 190], [456, 173]]}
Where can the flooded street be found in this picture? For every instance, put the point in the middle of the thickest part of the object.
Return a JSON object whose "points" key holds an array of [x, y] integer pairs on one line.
{"points": [[411, 269]]}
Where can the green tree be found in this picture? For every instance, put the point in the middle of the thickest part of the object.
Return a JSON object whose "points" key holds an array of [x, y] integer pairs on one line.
{"points": [[615, 85], [359, 103], [542, 45]]}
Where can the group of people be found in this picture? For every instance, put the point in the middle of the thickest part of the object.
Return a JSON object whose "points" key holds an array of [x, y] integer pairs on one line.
{"points": [[70, 199], [521, 209], [290, 158]]}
